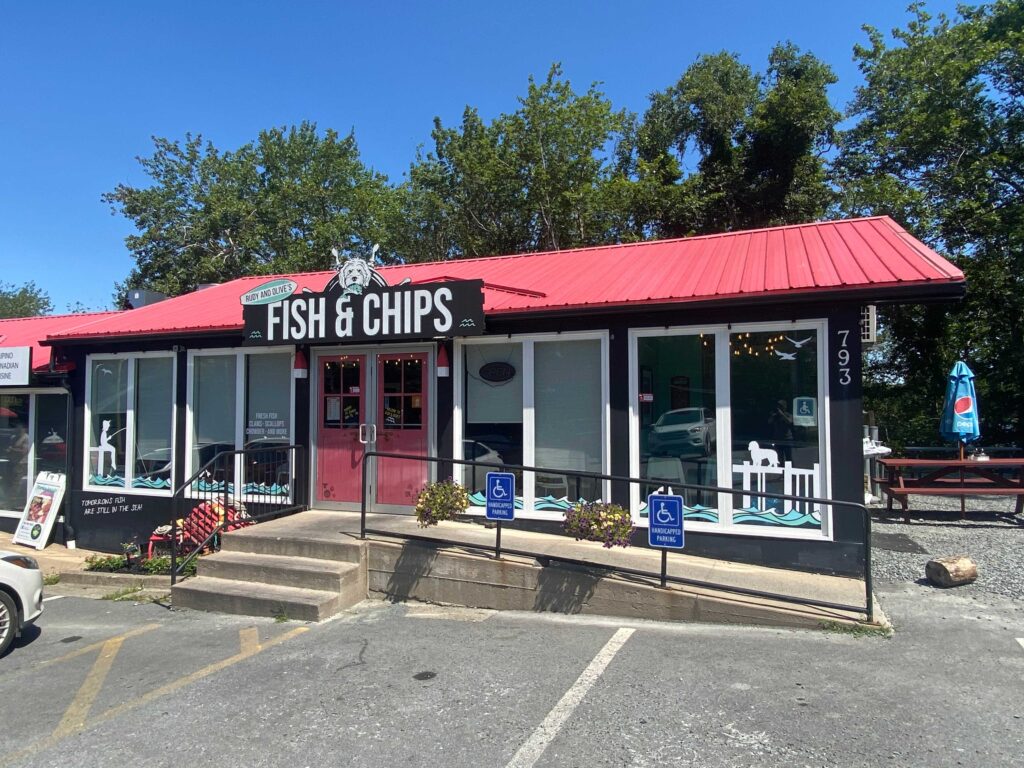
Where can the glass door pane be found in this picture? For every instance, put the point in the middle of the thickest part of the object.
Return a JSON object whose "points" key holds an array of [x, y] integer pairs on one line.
{"points": [[341, 414], [401, 426]]}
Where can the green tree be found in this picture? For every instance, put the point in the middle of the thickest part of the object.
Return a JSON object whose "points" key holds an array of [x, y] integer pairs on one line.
{"points": [[25, 300], [277, 204], [529, 180], [756, 141], [938, 144]]}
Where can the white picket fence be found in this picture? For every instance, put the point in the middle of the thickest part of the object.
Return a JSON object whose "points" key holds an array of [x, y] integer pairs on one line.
{"points": [[795, 482]]}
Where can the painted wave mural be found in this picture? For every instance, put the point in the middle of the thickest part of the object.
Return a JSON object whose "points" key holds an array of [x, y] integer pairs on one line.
{"points": [[154, 483], [794, 518], [112, 481], [478, 499], [255, 489], [697, 512]]}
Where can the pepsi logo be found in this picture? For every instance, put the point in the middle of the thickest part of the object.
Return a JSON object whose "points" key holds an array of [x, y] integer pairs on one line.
{"points": [[963, 405]]}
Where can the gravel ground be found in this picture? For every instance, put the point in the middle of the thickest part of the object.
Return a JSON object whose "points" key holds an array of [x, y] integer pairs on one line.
{"points": [[990, 535]]}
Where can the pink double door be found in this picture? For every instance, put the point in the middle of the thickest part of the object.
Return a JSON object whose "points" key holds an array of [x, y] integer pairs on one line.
{"points": [[372, 401]]}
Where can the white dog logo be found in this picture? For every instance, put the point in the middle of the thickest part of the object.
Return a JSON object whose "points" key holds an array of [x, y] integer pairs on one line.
{"points": [[354, 275], [759, 455]]}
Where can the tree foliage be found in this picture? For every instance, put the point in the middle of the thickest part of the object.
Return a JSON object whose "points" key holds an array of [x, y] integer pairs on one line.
{"points": [[25, 300], [529, 180], [757, 142], [938, 144], [279, 203]]}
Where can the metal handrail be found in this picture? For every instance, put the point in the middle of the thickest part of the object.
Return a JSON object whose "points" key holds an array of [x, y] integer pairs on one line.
{"points": [[867, 608], [179, 496]]}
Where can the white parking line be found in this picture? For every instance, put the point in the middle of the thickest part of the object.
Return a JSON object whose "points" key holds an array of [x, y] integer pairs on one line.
{"points": [[52, 597], [547, 730], [1021, 641]]}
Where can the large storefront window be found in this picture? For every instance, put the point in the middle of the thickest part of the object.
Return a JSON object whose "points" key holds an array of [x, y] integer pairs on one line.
{"points": [[731, 407], [33, 431], [108, 423], [773, 378], [678, 440], [154, 422], [493, 430], [241, 401], [568, 424], [131, 422], [268, 422], [16, 444], [537, 401]]}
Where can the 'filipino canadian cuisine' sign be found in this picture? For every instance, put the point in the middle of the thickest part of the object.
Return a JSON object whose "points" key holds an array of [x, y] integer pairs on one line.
{"points": [[358, 305]]}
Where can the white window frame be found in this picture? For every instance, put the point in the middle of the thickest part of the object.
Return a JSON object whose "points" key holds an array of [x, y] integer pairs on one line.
{"points": [[31, 392], [240, 371], [129, 443], [723, 424], [528, 512]]}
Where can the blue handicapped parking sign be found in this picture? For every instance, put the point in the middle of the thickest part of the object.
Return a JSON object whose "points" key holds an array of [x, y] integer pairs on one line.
{"points": [[665, 521], [501, 496]]}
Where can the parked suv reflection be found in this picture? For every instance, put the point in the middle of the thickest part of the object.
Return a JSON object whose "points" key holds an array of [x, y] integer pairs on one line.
{"points": [[682, 431]]}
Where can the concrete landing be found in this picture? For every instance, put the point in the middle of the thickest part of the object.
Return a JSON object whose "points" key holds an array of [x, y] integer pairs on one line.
{"points": [[466, 574]]}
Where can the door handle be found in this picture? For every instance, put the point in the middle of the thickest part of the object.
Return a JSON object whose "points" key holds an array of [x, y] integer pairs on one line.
{"points": [[362, 434], [374, 433]]}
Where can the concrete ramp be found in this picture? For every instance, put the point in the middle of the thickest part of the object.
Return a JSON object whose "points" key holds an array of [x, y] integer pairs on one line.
{"points": [[319, 557]]}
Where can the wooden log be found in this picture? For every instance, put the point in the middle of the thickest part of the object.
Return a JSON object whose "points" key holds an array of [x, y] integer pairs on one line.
{"points": [[951, 571]]}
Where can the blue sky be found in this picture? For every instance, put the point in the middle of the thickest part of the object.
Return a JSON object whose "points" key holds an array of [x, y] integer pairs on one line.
{"points": [[85, 85]]}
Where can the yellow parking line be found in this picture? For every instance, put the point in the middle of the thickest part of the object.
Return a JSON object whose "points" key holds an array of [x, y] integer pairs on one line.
{"points": [[87, 648], [249, 639], [78, 710], [248, 649]]}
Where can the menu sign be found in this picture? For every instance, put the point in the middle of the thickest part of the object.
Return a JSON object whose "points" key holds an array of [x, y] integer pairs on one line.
{"points": [[15, 366], [41, 511]]}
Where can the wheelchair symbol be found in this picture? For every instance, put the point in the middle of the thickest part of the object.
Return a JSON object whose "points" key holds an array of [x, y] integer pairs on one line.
{"points": [[664, 516], [498, 489]]}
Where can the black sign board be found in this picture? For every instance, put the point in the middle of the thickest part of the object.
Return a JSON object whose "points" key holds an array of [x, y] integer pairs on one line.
{"points": [[364, 309]]}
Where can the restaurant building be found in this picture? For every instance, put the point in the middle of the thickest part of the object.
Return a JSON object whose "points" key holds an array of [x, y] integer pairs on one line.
{"points": [[730, 360]]}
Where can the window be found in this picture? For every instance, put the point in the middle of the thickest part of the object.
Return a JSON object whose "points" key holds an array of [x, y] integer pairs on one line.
{"points": [[742, 407], [568, 420], [536, 401], [241, 400], [33, 428], [773, 379], [678, 426], [493, 430], [130, 422]]}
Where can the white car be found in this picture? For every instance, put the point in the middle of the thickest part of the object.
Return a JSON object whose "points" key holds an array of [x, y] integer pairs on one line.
{"points": [[21, 595]]}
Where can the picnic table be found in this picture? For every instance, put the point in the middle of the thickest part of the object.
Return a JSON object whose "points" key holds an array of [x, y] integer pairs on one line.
{"points": [[952, 477]]}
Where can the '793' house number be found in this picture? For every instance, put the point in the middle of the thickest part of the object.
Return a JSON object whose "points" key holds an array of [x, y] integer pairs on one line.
{"points": [[843, 358]]}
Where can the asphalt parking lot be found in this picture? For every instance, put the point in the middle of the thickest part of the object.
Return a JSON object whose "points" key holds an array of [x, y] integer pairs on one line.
{"points": [[110, 683]]}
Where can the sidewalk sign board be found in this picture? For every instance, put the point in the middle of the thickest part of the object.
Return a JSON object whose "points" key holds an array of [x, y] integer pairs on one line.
{"points": [[41, 510]]}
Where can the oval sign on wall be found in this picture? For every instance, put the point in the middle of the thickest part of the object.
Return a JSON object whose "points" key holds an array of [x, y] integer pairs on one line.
{"points": [[497, 372]]}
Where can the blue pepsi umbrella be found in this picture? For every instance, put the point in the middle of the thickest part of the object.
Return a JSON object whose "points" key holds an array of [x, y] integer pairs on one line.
{"points": [[960, 413]]}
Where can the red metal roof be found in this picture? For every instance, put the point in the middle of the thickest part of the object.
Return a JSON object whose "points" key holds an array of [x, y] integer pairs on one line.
{"points": [[850, 256], [30, 332]]}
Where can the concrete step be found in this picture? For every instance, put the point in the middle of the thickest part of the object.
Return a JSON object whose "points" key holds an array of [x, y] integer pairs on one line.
{"points": [[284, 571], [204, 593], [255, 541]]}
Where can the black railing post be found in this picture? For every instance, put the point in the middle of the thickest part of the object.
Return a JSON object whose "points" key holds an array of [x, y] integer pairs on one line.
{"points": [[868, 596], [579, 495], [362, 498], [174, 542]]}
